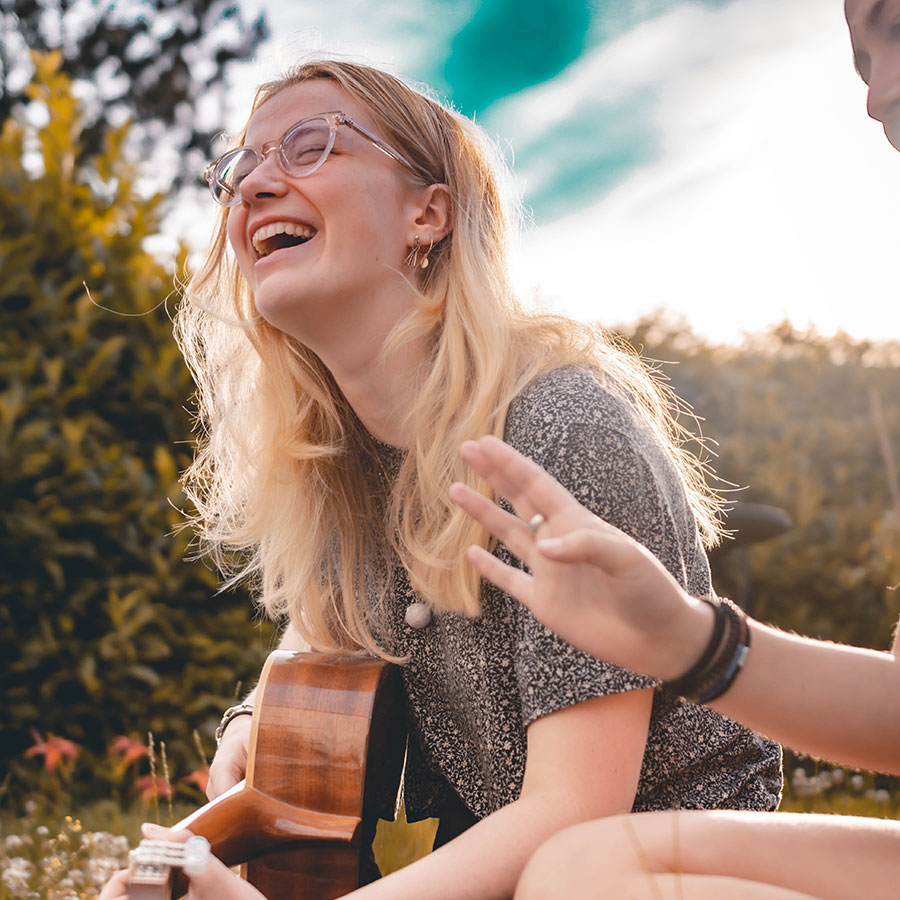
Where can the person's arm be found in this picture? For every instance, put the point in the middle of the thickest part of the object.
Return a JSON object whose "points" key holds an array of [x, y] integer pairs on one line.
{"points": [[583, 763], [230, 762], [621, 605]]}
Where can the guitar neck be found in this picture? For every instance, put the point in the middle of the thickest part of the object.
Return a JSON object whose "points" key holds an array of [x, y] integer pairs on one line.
{"points": [[315, 716]]}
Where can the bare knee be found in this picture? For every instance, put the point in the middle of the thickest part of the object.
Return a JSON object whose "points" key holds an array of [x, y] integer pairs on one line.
{"points": [[585, 860]]}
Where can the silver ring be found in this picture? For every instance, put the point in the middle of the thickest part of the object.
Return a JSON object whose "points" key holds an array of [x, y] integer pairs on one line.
{"points": [[535, 522]]}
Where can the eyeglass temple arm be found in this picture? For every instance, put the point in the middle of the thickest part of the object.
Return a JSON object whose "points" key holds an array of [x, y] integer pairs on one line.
{"points": [[385, 148]]}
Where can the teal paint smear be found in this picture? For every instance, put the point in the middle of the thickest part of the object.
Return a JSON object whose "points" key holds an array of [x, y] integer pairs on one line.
{"points": [[510, 45], [507, 47], [580, 160]]}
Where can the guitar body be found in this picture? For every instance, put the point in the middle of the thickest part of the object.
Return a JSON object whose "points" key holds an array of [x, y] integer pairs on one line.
{"points": [[325, 759], [329, 736]]}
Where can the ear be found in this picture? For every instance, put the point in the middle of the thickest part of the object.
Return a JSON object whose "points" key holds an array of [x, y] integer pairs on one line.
{"points": [[433, 214]]}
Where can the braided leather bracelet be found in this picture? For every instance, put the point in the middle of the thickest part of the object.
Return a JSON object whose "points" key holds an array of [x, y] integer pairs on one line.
{"points": [[723, 658]]}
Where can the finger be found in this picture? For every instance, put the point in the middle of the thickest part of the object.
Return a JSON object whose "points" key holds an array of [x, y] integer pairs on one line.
{"points": [[116, 888], [474, 457], [512, 581], [221, 780], [514, 476], [507, 528], [611, 551], [154, 832]]}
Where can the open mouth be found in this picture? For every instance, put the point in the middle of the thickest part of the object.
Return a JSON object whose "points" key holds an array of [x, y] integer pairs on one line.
{"points": [[279, 235]]}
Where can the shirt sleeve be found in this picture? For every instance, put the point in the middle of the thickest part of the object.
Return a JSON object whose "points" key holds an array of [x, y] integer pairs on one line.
{"points": [[599, 448]]}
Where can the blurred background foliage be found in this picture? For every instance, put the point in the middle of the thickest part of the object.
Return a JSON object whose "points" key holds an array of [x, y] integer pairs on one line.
{"points": [[811, 425], [106, 629], [159, 63]]}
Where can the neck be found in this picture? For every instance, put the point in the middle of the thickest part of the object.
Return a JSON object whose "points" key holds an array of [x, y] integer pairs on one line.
{"points": [[381, 389], [349, 338]]}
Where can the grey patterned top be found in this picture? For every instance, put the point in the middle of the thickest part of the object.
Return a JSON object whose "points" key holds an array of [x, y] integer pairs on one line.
{"points": [[474, 685]]}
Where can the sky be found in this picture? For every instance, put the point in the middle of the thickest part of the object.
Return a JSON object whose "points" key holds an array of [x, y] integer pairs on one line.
{"points": [[710, 158]]}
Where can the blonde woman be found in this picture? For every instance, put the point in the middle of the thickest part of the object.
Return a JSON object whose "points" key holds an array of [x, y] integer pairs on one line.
{"points": [[352, 326]]}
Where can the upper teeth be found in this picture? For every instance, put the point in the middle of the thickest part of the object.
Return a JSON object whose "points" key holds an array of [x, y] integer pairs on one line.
{"points": [[267, 231]]}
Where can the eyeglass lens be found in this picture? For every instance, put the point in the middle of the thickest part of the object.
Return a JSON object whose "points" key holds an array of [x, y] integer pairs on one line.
{"points": [[303, 149]]}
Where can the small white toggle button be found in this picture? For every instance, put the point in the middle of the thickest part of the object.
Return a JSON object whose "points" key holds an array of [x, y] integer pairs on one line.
{"points": [[418, 615]]}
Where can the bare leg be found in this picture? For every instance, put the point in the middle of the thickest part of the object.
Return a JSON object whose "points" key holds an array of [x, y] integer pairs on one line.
{"points": [[722, 854]]}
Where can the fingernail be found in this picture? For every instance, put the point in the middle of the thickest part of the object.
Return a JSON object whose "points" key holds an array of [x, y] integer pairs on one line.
{"points": [[550, 544], [150, 830]]}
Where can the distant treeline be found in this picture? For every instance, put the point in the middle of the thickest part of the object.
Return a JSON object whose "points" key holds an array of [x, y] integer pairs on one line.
{"points": [[812, 425]]}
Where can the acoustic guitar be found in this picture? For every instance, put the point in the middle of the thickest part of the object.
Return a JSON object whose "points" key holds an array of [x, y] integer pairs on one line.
{"points": [[325, 757]]}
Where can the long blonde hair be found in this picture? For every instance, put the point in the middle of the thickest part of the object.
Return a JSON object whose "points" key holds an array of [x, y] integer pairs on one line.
{"points": [[282, 480]]}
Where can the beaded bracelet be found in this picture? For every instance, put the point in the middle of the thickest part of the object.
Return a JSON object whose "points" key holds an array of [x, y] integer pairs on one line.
{"points": [[723, 658]]}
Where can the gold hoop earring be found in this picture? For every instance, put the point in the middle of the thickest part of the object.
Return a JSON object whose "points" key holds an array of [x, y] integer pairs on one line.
{"points": [[412, 258], [425, 261]]}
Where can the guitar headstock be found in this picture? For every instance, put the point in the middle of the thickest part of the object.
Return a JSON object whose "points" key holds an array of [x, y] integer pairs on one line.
{"points": [[150, 866]]}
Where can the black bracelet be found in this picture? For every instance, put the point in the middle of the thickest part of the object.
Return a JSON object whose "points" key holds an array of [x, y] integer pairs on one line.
{"points": [[735, 664], [685, 684], [723, 660]]}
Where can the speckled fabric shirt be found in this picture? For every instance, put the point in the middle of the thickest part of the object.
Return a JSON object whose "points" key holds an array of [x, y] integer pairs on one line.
{"points": [[474, 685]]}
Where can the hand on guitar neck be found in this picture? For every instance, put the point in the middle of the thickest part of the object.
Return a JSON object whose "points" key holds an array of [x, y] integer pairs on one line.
{"points": [[229, 765], [216, 883]]}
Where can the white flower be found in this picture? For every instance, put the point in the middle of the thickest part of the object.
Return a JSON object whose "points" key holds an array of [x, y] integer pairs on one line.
{"points": [[17, 875], [100, 869]]}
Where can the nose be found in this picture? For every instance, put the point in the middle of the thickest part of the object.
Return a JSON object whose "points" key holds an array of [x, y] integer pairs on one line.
{"points": [[883, 102], [266, 180]]}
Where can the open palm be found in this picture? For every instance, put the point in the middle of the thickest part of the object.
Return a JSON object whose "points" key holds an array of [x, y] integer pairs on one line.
{"points": [[589, 582]]}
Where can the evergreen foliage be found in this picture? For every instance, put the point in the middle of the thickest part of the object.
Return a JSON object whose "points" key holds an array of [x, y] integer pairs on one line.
{"points": [[104, 628]]}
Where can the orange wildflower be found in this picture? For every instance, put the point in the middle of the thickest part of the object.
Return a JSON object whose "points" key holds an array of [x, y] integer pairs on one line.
{"points": [[55, 750], [199, 777], [128, 749], [150, 786]]}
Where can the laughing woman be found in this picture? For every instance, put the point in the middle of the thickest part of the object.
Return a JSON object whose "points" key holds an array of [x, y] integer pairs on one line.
{"points": [[352, 326]]}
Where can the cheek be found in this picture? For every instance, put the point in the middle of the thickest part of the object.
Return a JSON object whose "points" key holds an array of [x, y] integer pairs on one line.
{"points": [[378, 218], [235, 228]]}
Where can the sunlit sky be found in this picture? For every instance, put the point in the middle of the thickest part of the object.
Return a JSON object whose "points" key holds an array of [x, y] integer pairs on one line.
{"points": [[712, 158]]}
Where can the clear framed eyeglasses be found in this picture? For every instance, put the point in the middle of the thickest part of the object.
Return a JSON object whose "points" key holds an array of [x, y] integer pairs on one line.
{"points": [[300, 151]]}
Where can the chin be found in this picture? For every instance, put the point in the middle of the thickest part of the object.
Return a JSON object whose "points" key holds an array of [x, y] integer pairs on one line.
{"points": [[295, 306], [278, 307], [892, 133]]}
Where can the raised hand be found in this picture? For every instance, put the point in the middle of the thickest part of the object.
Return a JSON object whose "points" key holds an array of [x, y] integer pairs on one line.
{"points": [[589, 582]]}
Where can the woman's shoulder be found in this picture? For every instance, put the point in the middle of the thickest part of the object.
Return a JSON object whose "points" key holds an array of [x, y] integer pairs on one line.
{"points": [[567, 397]]}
